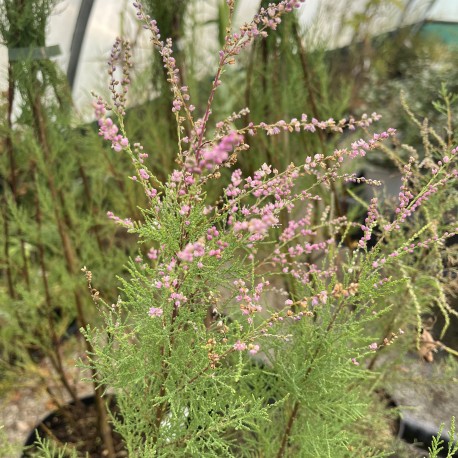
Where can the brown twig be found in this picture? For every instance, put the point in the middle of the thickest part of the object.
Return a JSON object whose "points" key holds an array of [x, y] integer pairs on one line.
{"points": [[315, 112], [55, 359], [70, 260], [295, 411]]}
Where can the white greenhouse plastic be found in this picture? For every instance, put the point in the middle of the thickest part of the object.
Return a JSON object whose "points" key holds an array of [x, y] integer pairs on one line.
{"points": [[320, 18]]}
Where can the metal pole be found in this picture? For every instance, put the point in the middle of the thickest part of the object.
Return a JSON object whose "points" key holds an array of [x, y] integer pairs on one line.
{"points": [[77, 40]]}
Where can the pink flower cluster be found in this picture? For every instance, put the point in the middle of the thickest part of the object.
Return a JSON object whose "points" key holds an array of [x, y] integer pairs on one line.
{"points": [[405, 195], [233, 189], [298, 227], [369, 223], [307, 248], [143, 174], [107, 129], [361, 147], [155, 312], [152, 253], [408, 203], [410, 247], [296, 125], [208, 159], [320, 298], [261, 185], [212, 233], [192, 251], [177, 298], [249, 304], [382, 282], [267, 18], [258, 228], [166, 281], [165, 49], [291, 262], [217, 252], [170, 65], [138, 149], [241, 346], [127, 222]]}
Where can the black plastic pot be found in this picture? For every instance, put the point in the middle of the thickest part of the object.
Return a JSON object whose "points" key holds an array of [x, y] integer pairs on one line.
{"points": [[59, 417], [408, 429], [421, 434]]}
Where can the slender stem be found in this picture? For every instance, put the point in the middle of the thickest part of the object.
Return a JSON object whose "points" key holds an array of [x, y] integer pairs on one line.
{"points": [[387, 333], [449, 122], [10, 152], [315, 112], [55, 357], [15, 39], [272, 158], [25, 265], [224, 53], [120, 182], [9, 147], [447, 349], [162, 407], [88, 194], [287, 432], [249, 77], [6, 251], [296, 405], [209, 104], [70, 261], [8, 139]]}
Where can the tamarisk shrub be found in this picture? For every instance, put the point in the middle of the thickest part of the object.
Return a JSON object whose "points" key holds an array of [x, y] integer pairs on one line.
{"points": [[274, 370]]}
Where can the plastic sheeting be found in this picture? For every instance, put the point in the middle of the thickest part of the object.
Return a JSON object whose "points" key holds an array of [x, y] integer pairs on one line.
{"points": [[320, 19]]}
